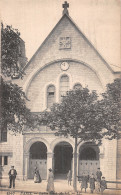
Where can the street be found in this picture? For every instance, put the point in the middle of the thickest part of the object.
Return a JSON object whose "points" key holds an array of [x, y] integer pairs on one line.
{"points": [[31, 188]]}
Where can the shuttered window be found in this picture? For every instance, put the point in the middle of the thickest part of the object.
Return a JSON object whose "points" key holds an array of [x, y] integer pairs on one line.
{"points": [[50, 95], [64, 85], [3, 134]]}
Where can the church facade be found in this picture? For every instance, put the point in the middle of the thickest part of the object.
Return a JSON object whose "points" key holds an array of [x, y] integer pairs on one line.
{"points": [[65, 60]]}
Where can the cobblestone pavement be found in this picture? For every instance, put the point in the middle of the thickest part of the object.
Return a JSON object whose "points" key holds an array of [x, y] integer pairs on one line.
{"points": [[61, 186]]}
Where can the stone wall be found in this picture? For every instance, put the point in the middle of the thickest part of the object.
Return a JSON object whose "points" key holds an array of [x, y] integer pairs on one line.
{"points": [[77, 72], [118, 171], [86, 67], [80, 50], [13, 148]]}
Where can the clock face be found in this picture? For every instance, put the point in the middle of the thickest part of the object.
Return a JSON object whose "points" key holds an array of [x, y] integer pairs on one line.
{"points": [[64, 66]]}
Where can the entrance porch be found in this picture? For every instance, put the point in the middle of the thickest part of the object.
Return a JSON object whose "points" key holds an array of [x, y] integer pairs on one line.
{"points": [[60, 159]]}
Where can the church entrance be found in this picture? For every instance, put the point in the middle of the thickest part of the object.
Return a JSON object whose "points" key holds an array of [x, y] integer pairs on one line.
{"points": [[63, 154], [38, 158], [88, 159]]}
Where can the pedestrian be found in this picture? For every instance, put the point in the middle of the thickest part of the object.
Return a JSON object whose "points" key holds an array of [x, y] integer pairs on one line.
{"points": [[37, 178], [84, 182], [69, 177], [50, 182], [12, 176], [92, 183], [97, 186], [99, 175], [103, 185]]}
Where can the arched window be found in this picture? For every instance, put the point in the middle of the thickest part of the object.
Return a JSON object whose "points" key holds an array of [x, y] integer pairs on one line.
{"points": [[64, 85], [50, 95], [77, 86]]}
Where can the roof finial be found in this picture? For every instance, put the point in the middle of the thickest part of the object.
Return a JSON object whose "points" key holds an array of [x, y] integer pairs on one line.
{"points": [[65, 6]]}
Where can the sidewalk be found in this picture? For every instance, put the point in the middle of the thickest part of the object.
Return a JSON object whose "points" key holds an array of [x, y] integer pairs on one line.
{"points": [[60, 186]]}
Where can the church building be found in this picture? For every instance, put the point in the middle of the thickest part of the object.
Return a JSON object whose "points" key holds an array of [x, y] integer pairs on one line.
{"points": [[65, 60]]}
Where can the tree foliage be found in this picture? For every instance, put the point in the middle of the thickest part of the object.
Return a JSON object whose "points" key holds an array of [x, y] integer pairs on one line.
{"points": [[82, 114], [10, 41], [85, 117], [78, 115], [110, 108], [14, 113]]}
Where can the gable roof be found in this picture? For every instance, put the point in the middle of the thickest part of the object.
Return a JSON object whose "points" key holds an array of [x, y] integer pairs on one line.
{"points": [[84, 36]]}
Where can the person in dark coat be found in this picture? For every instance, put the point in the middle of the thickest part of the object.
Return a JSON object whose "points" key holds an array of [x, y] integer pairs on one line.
{"points": [[12, 176], [37, 178], [92, 183], [99, 175], [84, 182], [103, 185]]}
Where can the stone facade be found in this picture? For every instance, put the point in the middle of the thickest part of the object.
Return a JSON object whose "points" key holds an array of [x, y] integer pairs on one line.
{"points": [[87, 67]]}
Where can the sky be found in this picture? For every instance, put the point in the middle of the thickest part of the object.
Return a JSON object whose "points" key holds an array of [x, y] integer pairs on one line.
{"points": [[99, 20]]}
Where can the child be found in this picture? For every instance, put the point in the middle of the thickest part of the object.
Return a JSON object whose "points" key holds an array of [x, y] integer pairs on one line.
{"points": [[69, 177], [92, 183], [84, 182], [97, 186], [103, 185]]}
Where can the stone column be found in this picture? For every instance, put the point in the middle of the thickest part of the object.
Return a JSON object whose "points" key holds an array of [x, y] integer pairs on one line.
{"points": [[49, 161], [2, 160], [26, 166]]}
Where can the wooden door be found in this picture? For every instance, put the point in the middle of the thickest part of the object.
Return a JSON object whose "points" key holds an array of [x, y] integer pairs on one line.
{"points": [[88, 167], [41, 165]]}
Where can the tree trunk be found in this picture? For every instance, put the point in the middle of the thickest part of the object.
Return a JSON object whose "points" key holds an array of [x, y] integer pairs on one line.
{"points": [[75, 166]]}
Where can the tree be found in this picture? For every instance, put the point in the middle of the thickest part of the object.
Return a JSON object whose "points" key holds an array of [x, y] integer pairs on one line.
{"points": [[78, 115], [14, 113], [110, 107], [85, 117], [10, 41]]}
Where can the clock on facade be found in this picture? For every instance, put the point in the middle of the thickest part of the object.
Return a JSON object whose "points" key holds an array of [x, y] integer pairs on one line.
{"points": [[64, 66]]}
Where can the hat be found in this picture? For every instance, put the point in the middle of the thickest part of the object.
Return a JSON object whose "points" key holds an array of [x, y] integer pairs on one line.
{"points": [[103, 177], [50, 169]]}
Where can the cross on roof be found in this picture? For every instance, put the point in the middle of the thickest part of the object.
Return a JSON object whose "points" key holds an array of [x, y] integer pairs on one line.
{"points": [[65, 6]]}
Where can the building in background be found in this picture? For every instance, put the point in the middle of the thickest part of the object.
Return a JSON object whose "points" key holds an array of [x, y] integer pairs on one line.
{"points": [[65, 60]]}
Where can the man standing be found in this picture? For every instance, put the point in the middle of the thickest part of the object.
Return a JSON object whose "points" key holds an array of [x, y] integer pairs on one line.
{"points": [[103, 185], [12, 176], [99, 175]]}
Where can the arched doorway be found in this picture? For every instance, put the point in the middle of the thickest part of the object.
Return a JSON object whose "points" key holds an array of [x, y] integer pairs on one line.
{"points": [[63, 154], [88, 159], [38, 158]]}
